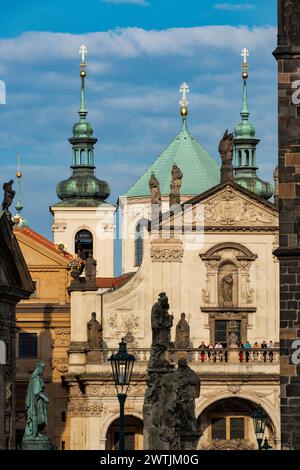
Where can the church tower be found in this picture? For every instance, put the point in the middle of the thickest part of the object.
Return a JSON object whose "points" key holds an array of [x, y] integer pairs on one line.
{"points": [[288, 57], [245, 144], [83, 220]]}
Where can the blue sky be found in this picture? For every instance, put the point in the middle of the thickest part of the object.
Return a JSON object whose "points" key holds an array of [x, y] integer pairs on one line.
{"points": [[138, 54]]}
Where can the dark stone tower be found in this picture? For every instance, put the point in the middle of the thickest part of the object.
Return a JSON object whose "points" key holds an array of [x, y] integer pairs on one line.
{"points": [[288, 57]]}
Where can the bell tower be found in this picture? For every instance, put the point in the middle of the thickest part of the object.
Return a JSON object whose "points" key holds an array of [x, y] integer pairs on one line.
{"points": [[83, 220], [288, 58]]}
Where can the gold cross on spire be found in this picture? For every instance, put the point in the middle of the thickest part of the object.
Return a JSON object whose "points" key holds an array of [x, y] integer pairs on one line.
{"points": [[245, 54], [82, 51], [184, 89]]}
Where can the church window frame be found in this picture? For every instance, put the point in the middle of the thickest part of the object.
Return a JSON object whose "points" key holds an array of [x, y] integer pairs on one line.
{"points": [[88, 244]]}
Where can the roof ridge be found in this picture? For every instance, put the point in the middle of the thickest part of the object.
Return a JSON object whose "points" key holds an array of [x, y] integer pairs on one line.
{"points": [[43, 240]]}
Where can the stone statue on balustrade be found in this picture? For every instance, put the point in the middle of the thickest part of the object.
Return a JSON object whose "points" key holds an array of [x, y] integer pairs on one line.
{"points": [[90, 271], [226, 153], [36, 404], [161, 324], [182, 337], [94, 330], [175, 186]]}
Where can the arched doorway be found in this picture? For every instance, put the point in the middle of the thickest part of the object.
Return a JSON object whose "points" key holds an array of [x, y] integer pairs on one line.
{"points": [[133, 434], [227, 425]]}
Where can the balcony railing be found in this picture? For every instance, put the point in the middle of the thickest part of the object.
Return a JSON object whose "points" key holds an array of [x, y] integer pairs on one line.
{"points": [[207, 356]]}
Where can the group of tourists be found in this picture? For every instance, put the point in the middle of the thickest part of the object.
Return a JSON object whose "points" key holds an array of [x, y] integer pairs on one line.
{"points": [[214, 350]]}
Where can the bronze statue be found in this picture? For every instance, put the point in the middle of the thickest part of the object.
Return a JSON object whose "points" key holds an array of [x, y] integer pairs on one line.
{"points": [[36, 404], [161, 324], [226, 153], [8, 197], [182, 338], [94, 333], [90, 270], [154, 190], [227, 288]]}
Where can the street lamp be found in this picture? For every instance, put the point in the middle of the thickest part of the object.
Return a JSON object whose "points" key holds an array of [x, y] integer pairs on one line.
{"points": [[122, 365], [260, 419]]}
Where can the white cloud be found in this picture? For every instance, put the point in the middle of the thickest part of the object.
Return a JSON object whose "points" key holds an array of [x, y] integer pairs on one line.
{"points": [[143, 3], [234, 6], [133, 79]]}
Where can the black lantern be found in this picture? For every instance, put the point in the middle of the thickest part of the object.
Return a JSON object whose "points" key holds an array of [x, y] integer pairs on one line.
{"points": [[122, 365], [260, 419]]}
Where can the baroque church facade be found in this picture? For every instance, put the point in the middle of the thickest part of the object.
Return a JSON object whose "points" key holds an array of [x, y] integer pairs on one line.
{"points": [[220, 239]]}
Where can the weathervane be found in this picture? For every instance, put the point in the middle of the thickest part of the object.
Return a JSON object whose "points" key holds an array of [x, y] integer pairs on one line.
{"points": [[184, 89], [245, 54]]}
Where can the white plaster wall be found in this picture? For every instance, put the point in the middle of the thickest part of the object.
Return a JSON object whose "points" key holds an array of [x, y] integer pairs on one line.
{"points": [[99, 221]]}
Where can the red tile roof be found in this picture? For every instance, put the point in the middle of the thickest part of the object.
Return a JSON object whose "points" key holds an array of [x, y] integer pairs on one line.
{"points": [[113, 282], [43, 241]]}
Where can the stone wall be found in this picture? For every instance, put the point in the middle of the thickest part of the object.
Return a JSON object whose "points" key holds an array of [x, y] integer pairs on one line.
{"points": [[288, 55]]}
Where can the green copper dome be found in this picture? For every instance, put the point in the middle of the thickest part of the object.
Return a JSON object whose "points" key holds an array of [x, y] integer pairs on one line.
{"points": [[200, 171], [83, 185]]}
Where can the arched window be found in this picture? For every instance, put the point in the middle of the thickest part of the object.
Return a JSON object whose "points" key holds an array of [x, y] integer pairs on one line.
{"points": [[138, 245], [82, 156], [83, 243], [240, 158], [247, 157]]}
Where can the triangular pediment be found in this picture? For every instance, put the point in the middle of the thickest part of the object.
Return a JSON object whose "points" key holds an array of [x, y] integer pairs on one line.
{"points": [[226, 206], [37, 255]]}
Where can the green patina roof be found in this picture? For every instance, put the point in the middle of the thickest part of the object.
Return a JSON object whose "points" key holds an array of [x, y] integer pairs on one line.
{"points": [[200, 171]]}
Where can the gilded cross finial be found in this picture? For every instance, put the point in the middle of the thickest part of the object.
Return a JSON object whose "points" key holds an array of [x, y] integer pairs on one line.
{"points": [[184, 89], [83, 52], [245, 54], [19, 174]]}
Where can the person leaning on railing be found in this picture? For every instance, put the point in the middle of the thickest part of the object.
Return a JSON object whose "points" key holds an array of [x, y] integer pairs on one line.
{"points": [[270, 346], [247, 346], [264, 347]]}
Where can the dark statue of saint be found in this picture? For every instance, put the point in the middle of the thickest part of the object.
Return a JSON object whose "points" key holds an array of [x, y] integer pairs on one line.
{"points": [[8, 197], [36, 403], [226, 153], [175, 411], [94, 329], [161, 324], [227, 288], [176, 181], [154, 190], [90, 270], [182, 338]]}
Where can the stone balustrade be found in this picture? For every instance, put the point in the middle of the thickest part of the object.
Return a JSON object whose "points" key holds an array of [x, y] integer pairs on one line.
{"points": [[207, 356]]}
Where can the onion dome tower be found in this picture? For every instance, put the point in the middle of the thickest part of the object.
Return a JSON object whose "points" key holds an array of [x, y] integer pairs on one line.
{"points": [[83, 220], [245, 144], [19, 220], [83, 186]]}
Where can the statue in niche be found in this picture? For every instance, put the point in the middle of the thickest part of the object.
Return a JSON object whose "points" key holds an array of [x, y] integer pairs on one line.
{"points": [[90, 270], [182, 338], [154, 190], [161, 324], [95, 329], [227, 288]]}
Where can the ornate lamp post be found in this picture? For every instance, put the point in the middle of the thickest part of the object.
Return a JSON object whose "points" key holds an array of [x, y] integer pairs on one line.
{"points": [[260, 419], [122, 365]]}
